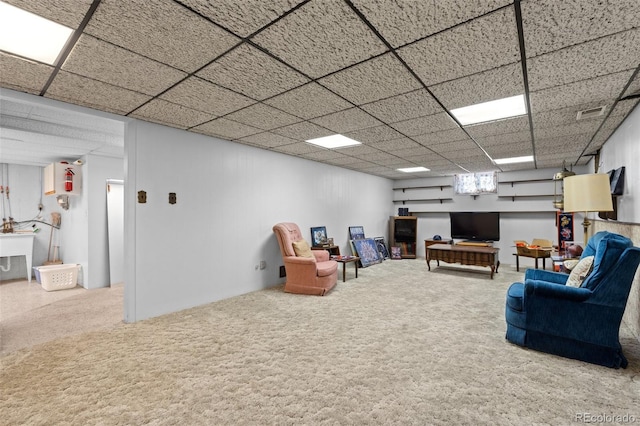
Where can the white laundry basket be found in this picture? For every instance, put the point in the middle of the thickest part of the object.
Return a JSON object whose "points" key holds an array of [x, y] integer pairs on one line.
{"points": [[58, 277]]}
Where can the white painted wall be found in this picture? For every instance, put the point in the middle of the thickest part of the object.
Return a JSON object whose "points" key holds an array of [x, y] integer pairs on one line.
{"points": [[25, 195], [206, 247], [623, 149], [82, 237]]}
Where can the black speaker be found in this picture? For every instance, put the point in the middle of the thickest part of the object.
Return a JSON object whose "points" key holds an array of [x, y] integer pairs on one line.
{"points": [[616, 179]]}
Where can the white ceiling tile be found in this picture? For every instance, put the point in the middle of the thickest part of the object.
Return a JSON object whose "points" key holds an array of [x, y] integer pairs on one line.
{"points": [[83, 91], [598, 89], [263, 117], [513, 150], [343, 160], [505, 139], [496, 83], [565, 117], [268, 140], [298, 148], [226, 129], [372, 80], [442, 136], [347, 121], [161, 30], [585, 60], [551, 25], [204, 96], [358, 150], [21, 75], [303, 131], [309, 101], [479, 45], [379, 157], [324, 155], [403, 107], [509, 125], [374, 134], [168, 113], [242, 17], [403, 21], [253, 73], [321, 37], [105, 62], [425, 124], [395, 144], [410, 153], [461, 145]]}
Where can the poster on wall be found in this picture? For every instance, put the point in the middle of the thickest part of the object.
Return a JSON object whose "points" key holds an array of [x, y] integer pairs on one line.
{"points": [[565, 229]]}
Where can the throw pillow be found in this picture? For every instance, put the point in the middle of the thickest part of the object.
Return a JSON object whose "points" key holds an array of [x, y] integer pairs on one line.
{"points": [[302, 249], [580, 272], [569, 264]]}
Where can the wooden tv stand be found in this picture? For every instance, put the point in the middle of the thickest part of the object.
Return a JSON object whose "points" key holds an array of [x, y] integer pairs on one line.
{"points": [[465, 255]]}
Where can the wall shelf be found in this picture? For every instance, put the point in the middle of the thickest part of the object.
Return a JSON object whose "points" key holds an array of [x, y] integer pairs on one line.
{"points": [[526, 188], [423, 193]]}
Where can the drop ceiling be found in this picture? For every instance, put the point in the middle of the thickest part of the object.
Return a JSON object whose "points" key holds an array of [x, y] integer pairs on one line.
{"points": [[272, 74]]}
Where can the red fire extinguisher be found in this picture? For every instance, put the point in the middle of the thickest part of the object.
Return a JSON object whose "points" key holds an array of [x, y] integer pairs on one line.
{"points": [[68, 180]]}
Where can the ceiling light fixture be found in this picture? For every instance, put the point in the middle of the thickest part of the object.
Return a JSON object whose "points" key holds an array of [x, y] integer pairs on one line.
{"points": [[31, 36], [334, 141], [514, 160], [414, 169], [491, 111]]}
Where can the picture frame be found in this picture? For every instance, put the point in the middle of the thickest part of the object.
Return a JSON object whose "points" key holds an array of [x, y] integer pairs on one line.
{"points": [[318, 235], [356, 232], [565, 229], [367, 251], [396, 253], [382, 247]]}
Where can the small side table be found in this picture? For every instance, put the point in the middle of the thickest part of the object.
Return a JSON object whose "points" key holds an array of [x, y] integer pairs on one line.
{"points": [[333, 250], [544, 266], [344, 260]]}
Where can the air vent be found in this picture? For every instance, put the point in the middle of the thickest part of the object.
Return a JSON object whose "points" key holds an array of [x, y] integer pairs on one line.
{"points": [[590, 113]]}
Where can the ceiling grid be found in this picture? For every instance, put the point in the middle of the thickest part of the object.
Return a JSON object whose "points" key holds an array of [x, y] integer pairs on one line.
{"points": [[384, 72]]}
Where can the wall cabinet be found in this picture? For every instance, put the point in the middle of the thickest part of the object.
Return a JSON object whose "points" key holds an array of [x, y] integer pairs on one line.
{"points": [[54, 179], [403, 233]]}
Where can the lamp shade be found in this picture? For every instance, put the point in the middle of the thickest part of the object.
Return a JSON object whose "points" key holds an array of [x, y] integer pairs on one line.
{"points": [[587, 193]]}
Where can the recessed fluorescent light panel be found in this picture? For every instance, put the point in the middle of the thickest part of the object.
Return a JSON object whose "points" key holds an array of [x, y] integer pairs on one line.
{"points": [[334, 141], [31, 36], [491, 111], [413, 169], [514, 160]]}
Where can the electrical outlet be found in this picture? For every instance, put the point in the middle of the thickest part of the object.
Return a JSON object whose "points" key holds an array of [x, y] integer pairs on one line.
{"points": [[283, 272], [263, 264]]}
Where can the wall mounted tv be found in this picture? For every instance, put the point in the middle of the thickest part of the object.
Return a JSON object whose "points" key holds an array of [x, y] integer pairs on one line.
{"points": [[475, 226]]}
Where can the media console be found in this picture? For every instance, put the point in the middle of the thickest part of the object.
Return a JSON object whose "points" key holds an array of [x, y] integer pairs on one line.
{"points": [[464, 255]]}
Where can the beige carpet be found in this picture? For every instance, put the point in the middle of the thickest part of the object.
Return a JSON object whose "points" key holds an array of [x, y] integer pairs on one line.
{"points": [[398, 345], [46, 315]]}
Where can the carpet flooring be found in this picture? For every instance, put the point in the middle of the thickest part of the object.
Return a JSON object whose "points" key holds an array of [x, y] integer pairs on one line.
{"points": [[398, 345]]}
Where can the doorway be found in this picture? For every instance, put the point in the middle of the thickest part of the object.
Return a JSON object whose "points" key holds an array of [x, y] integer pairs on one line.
{"points": [[115, 229]]}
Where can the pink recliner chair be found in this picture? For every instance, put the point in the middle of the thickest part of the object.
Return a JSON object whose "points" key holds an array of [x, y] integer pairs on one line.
{"points": [[305, 275]]}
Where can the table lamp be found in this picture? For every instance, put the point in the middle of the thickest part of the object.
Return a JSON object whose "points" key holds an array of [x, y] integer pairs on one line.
{"points": [[587, 193]]}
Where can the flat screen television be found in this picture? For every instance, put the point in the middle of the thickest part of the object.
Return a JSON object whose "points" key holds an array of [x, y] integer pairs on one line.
{"points": [[475, 226]]}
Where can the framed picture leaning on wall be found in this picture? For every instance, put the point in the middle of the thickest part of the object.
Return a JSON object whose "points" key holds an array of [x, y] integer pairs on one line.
{"points": [[367, 251], [382, 247]]}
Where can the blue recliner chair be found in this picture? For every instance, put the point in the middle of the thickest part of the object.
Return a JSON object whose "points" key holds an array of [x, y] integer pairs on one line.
{"points": [[576, 322]]}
